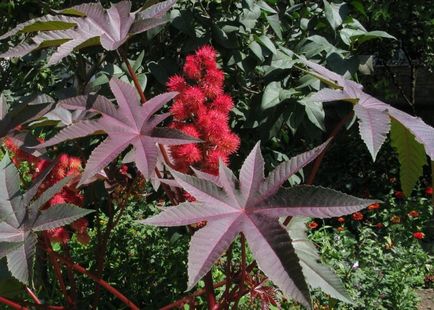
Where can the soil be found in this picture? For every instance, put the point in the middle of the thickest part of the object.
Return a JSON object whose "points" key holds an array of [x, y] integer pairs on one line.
{"points": [[427, 299]]}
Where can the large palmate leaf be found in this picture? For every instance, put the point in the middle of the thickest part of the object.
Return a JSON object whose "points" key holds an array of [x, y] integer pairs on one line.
{"points": [[252, 205], [317, 275], [21, 218], [374, 115], [128, 124], [86, 25], [23, 112]]}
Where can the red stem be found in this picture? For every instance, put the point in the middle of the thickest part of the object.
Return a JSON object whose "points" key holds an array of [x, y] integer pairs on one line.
{"points": [[133, 76], [33, 295], [57, 269], [101, 282], [210, 294], [12, 304], [320, 157]]}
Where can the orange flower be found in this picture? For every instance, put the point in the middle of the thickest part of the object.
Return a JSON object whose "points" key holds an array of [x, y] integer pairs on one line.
{"points": [[419, 235], [413, 213], [341, 228], [396, 219], [374, 206], [358, 216], [341, 219], [312, 225]]}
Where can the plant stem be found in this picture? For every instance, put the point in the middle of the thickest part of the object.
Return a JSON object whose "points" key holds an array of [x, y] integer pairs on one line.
{"points": [[133, 75], [101, 282], [57, 269], [210, 294], [33, 295], [332, 136], [11, 304]]}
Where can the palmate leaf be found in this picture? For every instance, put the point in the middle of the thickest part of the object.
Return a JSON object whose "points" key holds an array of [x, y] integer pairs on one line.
{"points": [[21, 218], [23, 112], [128, 124], [86, 25], [411, 156], [252, 206], [317, 275], [374, 115]]}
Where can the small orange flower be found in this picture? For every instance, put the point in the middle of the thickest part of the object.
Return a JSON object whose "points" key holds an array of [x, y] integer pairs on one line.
{"points": [[419, 235], [341, 219], [358, 216], [396, 219], [341, 228], [413, 213], [374, 206], [312, 225]]}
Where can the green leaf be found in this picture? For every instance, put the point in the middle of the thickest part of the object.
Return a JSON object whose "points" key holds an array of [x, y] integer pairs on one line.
{"points": [[411, 155], [315, 113], [334, 13], [317, 275], [275, 24], [271, 96], [264, 40], [263, 5], [257, 50]]}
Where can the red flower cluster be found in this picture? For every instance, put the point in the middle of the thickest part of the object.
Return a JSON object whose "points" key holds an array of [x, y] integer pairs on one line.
{"points": [[66, 165], [202, 110], [428, 191], [399, 195], [374, 206], [418, 235], [357, 216]]}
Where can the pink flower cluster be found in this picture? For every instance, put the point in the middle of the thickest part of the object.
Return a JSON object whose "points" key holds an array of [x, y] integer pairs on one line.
{"points": [[202, 110], [66, 165]]}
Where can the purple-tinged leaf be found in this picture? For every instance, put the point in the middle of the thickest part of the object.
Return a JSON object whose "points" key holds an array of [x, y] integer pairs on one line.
{"points": [[208, 244], [104, 153], [187, 213], [252, 173], [202, 190], [8, 247], [20, 261], [374, 125], [219, 205], [317, 275], [59, 215], [9, 233], [11, 210], [74, 131], [311, 201], [25, 112], [128, 124], [23, 218], [172, 136], [206, 176], [286, 169], [327, 94], [371, 112], [273, 250], [47, 195], [89, 24]]}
